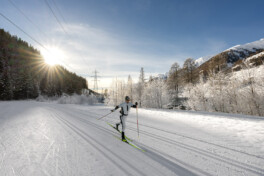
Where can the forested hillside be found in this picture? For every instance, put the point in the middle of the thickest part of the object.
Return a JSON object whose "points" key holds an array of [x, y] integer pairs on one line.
{"points": [[24, 73], [231, 82]]}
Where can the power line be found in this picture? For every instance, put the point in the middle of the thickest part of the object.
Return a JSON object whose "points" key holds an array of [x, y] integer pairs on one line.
{"points": [[47, 3], [26, 17], [35, 40], [32, 38], [55, 4], [59, 10], [34, 25], [37, 25]]}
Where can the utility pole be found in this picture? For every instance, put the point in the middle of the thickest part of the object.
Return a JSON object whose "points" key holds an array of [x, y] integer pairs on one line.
{"points": [[95, 81]]}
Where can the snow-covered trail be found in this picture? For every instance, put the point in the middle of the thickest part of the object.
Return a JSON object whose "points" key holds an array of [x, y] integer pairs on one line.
{"points": [[51, 139]]}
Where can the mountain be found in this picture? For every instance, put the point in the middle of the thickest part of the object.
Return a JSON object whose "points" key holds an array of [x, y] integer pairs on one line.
{"points": [[244, 51], [232, 57], [237, 52], [252, 47]]}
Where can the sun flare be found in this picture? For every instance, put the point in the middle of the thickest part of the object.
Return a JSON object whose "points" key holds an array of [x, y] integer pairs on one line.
{"points": [[53, 55]]}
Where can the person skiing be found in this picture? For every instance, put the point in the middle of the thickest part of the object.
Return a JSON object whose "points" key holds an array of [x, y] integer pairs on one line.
{"points": [[125, 107]]}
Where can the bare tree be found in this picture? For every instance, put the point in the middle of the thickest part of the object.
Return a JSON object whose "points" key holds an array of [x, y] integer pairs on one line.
{"points": [[189, 67], [174, 82]]}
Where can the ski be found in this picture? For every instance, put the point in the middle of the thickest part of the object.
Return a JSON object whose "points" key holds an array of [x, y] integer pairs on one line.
{"points": [[130, 143], [119, 131]]}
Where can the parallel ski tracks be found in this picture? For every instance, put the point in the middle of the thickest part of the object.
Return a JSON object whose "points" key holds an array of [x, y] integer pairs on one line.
{"points": [[165, 162], [203, 152], [214, 156], [92, 141], [188, 137]]}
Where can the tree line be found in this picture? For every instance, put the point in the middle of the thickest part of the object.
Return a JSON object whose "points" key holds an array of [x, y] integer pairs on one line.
{"points": [[154, 92], [188, 87], [25, 75]]}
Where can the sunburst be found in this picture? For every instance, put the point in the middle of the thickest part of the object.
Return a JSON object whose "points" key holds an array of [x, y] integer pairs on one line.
{"points": [[53, 55]]}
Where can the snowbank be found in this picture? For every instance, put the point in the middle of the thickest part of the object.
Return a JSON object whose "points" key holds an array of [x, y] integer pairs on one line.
{"points": [[74, 99], [78, 99], [42, 98]]}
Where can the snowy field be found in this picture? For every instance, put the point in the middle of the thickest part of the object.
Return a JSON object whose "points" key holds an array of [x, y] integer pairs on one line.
{"points": [[40, 138]]}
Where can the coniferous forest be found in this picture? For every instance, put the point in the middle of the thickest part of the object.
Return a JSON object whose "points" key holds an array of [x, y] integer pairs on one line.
{"points": [[25, 75]]}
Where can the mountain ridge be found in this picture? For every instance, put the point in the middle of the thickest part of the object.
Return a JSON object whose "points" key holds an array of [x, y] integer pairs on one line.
{"points": [[233, 57], [237, 52]]}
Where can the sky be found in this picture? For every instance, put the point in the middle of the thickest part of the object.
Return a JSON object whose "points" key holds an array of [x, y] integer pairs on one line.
{"points": [[118, 37]]}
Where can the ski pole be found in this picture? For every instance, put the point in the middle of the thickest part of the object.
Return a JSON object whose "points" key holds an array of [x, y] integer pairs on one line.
{"points": [[104, 116], [137, 123]]}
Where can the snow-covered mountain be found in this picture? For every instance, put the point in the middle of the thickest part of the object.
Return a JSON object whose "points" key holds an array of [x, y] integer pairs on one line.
{"points": [[243, 51], [233, 56], [253, 46], [237, 52]]}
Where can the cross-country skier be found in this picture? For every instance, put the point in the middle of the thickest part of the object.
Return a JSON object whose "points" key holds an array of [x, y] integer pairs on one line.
{"points": [[125, 107]]}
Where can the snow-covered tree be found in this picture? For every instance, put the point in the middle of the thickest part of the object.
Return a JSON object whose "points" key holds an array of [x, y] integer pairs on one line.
{"points": [[155, 94], [240, 92], [129, 88], [141, 86], [117, 92]]}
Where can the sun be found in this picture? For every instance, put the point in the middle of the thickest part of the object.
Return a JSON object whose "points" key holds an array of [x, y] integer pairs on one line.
{"points": [[53, 55]]}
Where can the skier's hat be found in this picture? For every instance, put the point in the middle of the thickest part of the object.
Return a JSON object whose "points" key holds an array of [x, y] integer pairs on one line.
{"points": [[127, 98]]}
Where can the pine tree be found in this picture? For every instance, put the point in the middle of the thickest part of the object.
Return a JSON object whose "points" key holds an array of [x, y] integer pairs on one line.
{"points": [[24, 74]]}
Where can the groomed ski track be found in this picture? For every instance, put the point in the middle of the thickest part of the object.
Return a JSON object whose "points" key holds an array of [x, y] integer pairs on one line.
{"points": [[38, 138]]}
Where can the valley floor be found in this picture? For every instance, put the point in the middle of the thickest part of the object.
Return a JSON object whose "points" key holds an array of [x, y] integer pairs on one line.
{"points": [[40, 138]]}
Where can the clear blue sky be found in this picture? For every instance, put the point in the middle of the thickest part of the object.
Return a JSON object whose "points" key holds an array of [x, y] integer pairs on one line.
{"points": [[117, 37]]}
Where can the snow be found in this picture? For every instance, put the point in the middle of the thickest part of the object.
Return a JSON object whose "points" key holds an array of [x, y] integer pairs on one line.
{"points": [[249, 46], [245, 127], [78, 99], [73, 99], [42, 138], [235, 67], [255, 72], [255, 56], [202, 60]]}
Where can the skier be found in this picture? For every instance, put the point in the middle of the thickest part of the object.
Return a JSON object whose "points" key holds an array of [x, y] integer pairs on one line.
{"points": [[125, 107]]}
